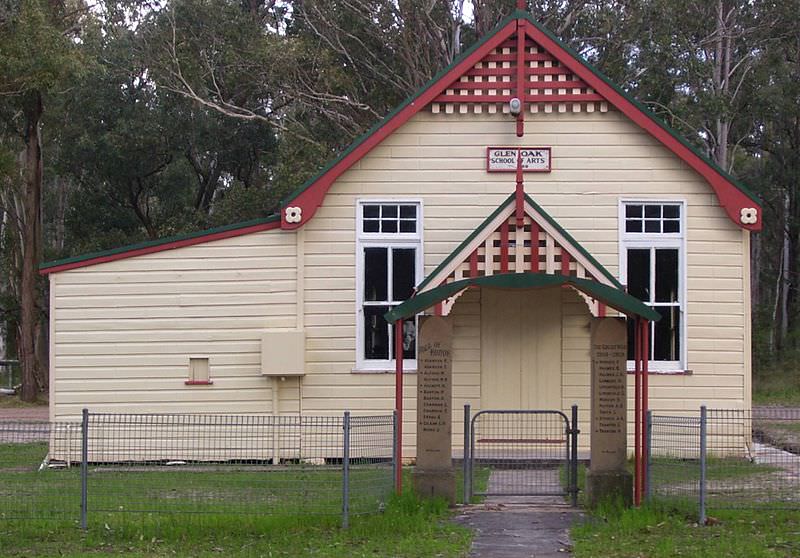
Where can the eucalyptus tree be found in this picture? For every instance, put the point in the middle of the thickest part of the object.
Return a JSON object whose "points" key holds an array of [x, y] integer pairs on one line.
{"points": [[39, 55]]}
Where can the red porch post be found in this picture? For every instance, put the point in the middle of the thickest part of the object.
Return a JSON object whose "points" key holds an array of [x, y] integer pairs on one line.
{"points": [[645, 397], [637, 452], [398, 402]]}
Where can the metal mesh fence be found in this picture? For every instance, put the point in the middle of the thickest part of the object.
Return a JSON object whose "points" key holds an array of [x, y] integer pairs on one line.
{"points": [[744, 460], [527, 452], [31, 486], [198, 464], [674, 456]]}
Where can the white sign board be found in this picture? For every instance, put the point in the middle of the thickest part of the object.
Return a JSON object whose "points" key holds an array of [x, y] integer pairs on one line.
{"points": [[504, 159]]}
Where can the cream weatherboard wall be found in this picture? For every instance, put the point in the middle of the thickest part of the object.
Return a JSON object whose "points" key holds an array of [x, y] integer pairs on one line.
{"points": [[124, 330], [598, 159]]}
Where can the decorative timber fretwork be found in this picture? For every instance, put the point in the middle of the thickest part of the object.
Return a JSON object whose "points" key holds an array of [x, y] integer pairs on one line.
{"points": [[501, 244], [547, 84]]}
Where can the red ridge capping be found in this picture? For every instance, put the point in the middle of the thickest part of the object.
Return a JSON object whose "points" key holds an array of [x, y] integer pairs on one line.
{"points": [[521, 93], [730, 198], [311, 198], [200, 239], [519, 191], [534, 247]]}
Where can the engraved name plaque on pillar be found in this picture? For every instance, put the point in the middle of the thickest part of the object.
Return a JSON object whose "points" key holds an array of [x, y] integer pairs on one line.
{"points": [[434, 472], [609, 353]]}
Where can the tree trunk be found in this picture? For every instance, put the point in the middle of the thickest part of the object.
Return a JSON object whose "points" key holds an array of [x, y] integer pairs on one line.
{"points": [[31, 238]]}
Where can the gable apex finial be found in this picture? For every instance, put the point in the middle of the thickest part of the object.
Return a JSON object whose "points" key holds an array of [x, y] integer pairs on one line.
{"points": [[521, 5]]}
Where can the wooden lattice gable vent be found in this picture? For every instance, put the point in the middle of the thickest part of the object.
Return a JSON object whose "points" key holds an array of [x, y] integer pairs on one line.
{"points": [[499, 245], [547, 84]]}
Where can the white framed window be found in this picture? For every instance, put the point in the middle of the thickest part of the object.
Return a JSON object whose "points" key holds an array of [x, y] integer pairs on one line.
{"points": [[388, 269], [653, 268]]}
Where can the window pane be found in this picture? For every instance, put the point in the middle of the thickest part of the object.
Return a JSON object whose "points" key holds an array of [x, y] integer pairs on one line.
{"points": [[652, 226], [409, 339], [633, 226], [672, 226], [403, 273], [389, 210], [371, 225], [371, 211], [376, 274], [667, 338], [408, 226], [376, 333], [667, 275], [408, 211], [639, 274], [633, 211], [652, 211], [389, 226], [671, 211]]}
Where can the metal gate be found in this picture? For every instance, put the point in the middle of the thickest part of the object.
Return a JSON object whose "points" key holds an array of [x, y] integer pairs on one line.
{"points": [[525, 452]]}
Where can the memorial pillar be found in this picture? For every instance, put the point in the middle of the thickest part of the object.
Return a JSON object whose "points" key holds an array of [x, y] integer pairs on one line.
{"points": [[433, 474], [608, 477]]}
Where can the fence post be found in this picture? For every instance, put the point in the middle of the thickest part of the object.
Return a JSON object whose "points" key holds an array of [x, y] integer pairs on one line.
{"points": [[703, 449], [648, 492], [573, 460], [466, 464], [346, 472], [84, 467]]}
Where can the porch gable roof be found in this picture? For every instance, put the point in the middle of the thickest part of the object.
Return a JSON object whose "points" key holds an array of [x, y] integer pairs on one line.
{"points": [[534, 249]]}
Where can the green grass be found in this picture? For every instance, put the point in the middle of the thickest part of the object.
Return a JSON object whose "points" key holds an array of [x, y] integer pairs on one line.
{"points": [[408, 528], [778, 384], [666, 532], [480, 480], [717, 468], [213, 512], [14, 402], [182, 489]]}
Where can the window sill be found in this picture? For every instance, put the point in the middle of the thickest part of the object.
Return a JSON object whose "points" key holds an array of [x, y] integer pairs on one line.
{"points": [[382, 370], [198, 382], [665, 372]]}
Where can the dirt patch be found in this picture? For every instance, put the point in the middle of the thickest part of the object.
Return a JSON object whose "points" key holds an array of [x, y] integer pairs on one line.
{"points": [[778, 427], [33, 412]]}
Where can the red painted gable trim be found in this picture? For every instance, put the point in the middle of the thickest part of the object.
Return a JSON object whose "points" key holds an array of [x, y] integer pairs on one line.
{"points": [[161, 247], [311, 198], [730, 198]]}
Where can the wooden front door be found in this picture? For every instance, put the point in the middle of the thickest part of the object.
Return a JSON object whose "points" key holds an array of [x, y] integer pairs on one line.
{"points": [[521, 349]]}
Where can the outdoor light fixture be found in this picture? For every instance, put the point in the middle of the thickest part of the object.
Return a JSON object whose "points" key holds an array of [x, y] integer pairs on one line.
{"points": [[515, 106]]}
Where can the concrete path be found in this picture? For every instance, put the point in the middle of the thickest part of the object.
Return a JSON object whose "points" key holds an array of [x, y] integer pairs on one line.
{"points": [[519, 527]]}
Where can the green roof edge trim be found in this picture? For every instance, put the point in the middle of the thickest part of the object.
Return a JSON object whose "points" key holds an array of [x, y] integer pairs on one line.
{"points": [[377, 126], [574, 242], [160, 241], [646, 111], [615, 298]]}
